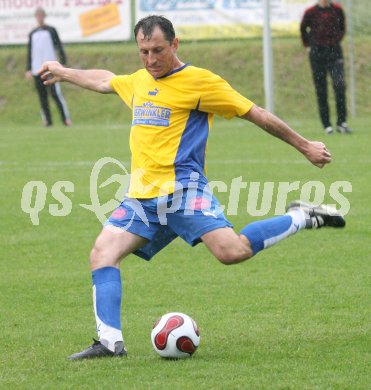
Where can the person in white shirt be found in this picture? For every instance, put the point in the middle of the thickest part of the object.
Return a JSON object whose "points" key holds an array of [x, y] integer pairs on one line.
{"points": [[44, 45]]}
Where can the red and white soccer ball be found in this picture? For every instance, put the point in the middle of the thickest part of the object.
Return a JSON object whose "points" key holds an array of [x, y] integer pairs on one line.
{"points": [[175, 335]]}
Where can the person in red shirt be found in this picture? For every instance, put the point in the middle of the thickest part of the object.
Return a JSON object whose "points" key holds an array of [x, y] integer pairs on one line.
{"points": [[322, 29]]}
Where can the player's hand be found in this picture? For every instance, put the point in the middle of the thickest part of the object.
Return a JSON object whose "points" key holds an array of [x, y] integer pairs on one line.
{"points": [[51, 72], [318, 154]]}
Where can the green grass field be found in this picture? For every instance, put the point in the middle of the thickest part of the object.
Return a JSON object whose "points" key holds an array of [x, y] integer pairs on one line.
{"points": [[295, 317]]}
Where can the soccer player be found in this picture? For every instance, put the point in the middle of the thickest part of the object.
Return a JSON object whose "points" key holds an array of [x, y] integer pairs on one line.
{"points": [[173, 104], [322, 29], [43, 45]]}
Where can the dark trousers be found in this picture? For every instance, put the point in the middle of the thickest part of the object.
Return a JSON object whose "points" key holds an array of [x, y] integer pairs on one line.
{"points": [[330, 60], [55, 91]]}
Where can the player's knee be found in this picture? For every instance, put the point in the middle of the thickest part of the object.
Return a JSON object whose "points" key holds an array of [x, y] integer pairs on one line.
{"points": [[95, 257], [226, 259], [100, 257], [229, 256], [339, 84]]}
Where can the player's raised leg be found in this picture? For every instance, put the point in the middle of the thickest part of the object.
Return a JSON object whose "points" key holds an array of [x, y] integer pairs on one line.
{"points": [[111, 246], [230, 248]]}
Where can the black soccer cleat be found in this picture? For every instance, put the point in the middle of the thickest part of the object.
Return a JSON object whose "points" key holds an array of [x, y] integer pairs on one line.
{"points": [[318, 216], [98, 350]]}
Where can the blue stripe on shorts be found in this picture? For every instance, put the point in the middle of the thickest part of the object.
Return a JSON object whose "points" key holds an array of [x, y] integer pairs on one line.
{"points": [[188, 213]]}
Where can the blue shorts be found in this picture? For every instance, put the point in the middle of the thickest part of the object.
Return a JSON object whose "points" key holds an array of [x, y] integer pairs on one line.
{"points": [[186, 213]]}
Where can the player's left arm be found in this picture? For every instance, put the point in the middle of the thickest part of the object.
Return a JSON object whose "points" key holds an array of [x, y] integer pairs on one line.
{"points": [[315, 152], [342, 26], [58, 46]]}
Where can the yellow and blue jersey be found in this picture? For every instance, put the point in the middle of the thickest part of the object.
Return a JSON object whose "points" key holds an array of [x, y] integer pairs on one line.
{"points": [[171, 119]]}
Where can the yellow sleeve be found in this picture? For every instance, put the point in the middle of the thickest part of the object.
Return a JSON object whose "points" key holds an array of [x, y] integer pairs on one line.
{"points": [[123, 86], [219, 98]]}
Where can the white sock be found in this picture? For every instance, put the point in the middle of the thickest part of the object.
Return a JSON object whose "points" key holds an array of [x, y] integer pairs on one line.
{"points": [[107, 334], [298, 218]]}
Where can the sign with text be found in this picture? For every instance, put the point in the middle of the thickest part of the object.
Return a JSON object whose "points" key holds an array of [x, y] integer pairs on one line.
{"points": [[209, 19], [75, 20]]}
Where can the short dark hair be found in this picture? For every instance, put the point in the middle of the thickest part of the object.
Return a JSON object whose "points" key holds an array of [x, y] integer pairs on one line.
{"points": [[149, 23], [40, 10]]}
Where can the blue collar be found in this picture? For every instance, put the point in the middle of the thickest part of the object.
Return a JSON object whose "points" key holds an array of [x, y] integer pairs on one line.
{"points": [[172, 72]]}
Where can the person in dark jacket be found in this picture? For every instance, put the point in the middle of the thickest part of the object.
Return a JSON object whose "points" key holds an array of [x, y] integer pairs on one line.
{"points": [[44, 45], [322, 29]]}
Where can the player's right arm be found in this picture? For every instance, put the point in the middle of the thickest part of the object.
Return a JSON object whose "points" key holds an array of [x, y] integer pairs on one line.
{"points": [[304, 25], [28, 73], [97, 80]]}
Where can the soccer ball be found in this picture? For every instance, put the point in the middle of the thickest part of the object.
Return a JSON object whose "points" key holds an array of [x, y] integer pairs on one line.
{"points": [[175, 335]]}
